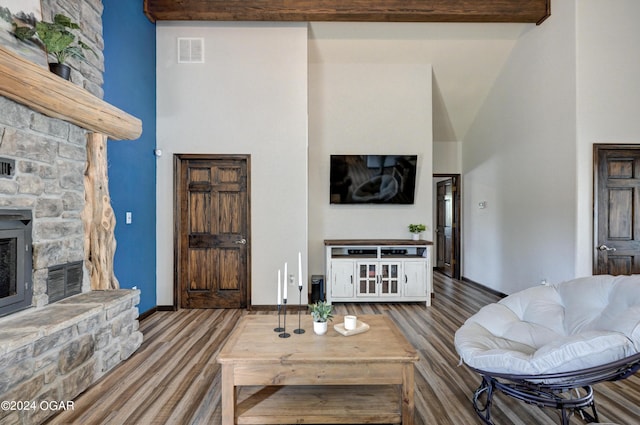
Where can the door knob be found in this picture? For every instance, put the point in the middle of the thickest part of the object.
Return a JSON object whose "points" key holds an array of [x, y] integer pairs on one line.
{"points": [[242, 241], [606, 248]]}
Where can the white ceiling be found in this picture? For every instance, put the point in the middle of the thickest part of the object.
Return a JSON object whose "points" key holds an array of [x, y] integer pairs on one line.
{"points": [[466, 59]]}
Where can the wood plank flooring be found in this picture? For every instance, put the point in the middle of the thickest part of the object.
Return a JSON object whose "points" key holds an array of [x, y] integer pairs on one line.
{"points": [[173, 378]]}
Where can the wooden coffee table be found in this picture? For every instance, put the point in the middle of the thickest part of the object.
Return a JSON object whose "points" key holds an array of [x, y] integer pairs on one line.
{"points": [[307, 378]]}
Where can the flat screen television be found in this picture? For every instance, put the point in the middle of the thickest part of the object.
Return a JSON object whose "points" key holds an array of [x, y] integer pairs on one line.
{"points": [[373, 179]]}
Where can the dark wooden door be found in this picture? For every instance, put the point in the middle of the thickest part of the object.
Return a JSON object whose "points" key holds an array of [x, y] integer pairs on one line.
{"points": [[212, 220], [447, 242], [616, 209]]}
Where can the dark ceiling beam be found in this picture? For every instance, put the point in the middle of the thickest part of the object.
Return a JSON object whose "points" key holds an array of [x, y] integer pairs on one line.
{"points": [[520, 11]]}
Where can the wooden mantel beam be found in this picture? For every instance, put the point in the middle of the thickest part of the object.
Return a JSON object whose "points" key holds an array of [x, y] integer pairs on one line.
{"points": [[36, 87], [523, 11]]}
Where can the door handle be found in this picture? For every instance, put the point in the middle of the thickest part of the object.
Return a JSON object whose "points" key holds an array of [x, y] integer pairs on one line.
{"points": [[606, 248], [242, 241]]}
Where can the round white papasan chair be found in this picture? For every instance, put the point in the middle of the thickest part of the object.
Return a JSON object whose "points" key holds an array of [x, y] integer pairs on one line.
{"points": [[547, 345]]}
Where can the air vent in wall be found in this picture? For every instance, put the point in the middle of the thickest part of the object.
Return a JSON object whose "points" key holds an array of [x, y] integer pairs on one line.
{"points": [[6, 167], [190, 50], [64, 280]]}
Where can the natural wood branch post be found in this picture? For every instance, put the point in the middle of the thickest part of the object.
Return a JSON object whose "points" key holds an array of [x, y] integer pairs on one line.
{"points": [[98, 217]]}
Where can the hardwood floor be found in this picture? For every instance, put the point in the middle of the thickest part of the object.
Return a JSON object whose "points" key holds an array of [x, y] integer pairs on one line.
{"points": [[173, 378]]}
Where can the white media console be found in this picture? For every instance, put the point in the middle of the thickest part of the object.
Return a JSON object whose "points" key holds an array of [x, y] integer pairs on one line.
{"points": [[375, 270]]}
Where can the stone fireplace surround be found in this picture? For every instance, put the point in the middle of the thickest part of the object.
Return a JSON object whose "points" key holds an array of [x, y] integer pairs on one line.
{"points": [[53, 352]]}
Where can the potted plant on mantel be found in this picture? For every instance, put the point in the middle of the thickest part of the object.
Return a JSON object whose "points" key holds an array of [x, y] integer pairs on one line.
{"points": [[321, 313], [416, 230], [55, 38]]}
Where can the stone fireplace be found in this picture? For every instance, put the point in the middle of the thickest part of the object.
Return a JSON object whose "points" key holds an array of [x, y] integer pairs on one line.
{"points": [[57, 335], [51, 350]]}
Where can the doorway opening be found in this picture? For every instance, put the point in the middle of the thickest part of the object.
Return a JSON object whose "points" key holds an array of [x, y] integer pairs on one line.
{"points": [[447, 224]]}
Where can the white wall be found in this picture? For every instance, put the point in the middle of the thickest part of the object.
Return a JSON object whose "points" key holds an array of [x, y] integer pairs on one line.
{"points": [[519, 157], [250, 97], [608, 93], [447, 157], [366, 108]]}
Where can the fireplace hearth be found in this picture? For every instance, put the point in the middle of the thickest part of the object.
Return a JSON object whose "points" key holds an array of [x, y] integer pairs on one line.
{"points": [[16, 289]]}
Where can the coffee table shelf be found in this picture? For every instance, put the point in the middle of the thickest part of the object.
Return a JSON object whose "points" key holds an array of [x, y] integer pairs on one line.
{"points": [[373, 404]]}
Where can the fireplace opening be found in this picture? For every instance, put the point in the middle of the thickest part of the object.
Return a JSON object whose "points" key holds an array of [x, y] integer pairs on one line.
{"points": [[8, 263], [16, 290]]}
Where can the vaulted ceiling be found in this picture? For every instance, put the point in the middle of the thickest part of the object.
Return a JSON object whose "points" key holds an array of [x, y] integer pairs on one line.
{"points": [[466, 59]]}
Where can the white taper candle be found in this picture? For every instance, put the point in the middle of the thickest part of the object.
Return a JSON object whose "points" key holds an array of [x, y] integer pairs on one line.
{"points": [[279, 289], [286, 277], [299, 269]]}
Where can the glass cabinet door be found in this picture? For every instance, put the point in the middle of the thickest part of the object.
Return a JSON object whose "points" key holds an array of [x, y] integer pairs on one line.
{"points": [[389, 278], [367, 279]]}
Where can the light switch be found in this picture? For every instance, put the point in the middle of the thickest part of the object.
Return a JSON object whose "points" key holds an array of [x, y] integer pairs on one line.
{"points": [[128, 217]]}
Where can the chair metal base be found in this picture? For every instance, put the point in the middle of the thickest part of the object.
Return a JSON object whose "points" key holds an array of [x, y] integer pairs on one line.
{"points": [[578, 400], [569, 392]]}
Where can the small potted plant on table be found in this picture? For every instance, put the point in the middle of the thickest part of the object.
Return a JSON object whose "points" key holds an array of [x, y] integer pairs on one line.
{"points": [[55, 38], [321, 313], [417, 229]]}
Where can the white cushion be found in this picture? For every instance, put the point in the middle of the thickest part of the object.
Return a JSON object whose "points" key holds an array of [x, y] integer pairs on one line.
{"points": [[574, 325]]}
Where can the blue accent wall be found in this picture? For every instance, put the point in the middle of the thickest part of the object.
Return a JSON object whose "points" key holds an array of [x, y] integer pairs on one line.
{"points": [[130, 84]]}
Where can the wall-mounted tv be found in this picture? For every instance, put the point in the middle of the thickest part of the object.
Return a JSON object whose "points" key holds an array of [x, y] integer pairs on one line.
{"points": [[373, 179]]}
